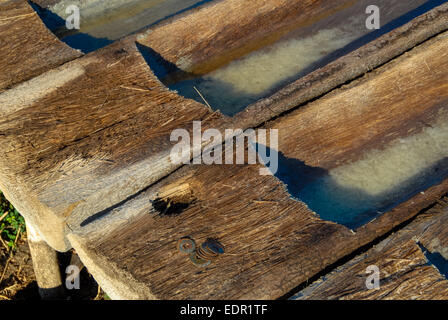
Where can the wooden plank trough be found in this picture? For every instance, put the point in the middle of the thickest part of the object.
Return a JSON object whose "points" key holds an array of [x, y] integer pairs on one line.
{"points": [[362, 131]]}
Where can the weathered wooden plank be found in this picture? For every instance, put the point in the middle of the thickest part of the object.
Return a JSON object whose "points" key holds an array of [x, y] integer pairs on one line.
{"points": [[83, 137], [28, 48], [272, 242], [90, 134], [405, 271]]}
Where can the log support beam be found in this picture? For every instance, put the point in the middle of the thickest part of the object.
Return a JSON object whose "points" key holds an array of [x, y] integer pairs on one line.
{"points": [[46, 266]]}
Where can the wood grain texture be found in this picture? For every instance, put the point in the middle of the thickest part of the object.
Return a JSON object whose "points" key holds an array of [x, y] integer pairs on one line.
{"points": [[87, 135], [98, 134], [28, 48], [405, 272], [273, 242]]}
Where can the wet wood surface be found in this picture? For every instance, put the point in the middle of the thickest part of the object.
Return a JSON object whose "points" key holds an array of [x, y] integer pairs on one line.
{"points": [[206, 32], [28, 48], [272, 242], [405, 271], [203, 41], [389, 103]]}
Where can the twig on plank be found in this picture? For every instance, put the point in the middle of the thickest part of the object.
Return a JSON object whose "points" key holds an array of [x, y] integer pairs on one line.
{"points": [[98, 293], [264, 201], [202, 97], [17, 236], [136, 89]]}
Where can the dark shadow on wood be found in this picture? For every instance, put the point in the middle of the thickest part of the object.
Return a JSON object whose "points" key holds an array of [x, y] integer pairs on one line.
{"points": [[30, 292], [57, 293], [51, 21], [161, 67], [166, 207]]}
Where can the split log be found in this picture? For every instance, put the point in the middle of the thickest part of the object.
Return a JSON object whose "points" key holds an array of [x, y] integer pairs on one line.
{"points": [[272, 241], [83, 137], [45, 265]]}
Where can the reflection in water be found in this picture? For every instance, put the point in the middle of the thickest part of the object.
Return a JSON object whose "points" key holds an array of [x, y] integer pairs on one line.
{"points": [[241, 82], [356, 193]]}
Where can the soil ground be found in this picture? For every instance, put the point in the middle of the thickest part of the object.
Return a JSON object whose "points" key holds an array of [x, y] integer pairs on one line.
{"points": [[17, 280]]}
